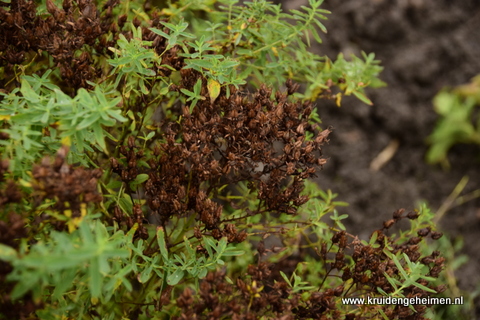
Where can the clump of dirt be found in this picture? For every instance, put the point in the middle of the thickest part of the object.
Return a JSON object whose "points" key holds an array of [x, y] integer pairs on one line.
{"points": [[424, 46]]}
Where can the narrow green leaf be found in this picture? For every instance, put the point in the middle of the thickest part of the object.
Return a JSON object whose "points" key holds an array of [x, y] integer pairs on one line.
{"points": [[203, 273], [141, 178], [175, 277], [284, 276], [95, 279], [198, 87], [161, 243], [399, 266], [87, 122], [418, 285], [99, 137], [145, 275], [192, 105], [391, 281], [116, 115], [231, 253], [187, 92], [362, 97], [222, 245]]}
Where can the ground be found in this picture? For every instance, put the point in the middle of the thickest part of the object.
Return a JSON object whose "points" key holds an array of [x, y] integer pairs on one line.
{"points": [[424, 46]]}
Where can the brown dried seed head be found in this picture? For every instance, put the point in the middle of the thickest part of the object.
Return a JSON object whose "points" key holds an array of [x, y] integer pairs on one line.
{"points": [[423, 232], [51, 8], [387, 224], [321, 161], [398, 214], [412, 215], [441, 288], [338, 291], [300, 129], [436, 235], [415, 240]]}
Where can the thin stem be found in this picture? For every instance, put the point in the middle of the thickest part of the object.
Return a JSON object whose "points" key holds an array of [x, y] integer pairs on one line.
{"points": [[447, 204]]}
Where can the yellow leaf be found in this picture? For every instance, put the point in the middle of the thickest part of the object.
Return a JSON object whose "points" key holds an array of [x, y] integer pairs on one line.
{"points": [[71, 226], [213, 89], [5, 117], [83, 209], [66, 141], [235, 37], [338, 99], [25, 183], [114, 50], [275, 51], [67, 213]]}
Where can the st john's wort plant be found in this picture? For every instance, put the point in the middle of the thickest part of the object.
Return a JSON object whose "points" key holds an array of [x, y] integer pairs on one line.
{"points": [[153, 152]]}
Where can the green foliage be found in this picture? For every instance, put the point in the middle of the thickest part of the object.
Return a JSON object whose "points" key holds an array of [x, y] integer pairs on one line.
{"points": [[88, 255], [409, 276], [259, 43], [451, 248], [41, 117], [133, 63], [458, 122], [195, 95]]}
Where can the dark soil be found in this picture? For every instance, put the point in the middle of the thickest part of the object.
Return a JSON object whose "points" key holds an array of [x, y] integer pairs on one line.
{"points": [[424, 46]]}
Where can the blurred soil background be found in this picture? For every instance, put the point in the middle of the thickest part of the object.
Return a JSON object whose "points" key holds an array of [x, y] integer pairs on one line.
{"points": [[424, 46]]}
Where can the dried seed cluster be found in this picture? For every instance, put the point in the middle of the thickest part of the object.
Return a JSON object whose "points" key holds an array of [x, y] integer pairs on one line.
{"points": [[230, 141], [70, 35], [61, 34], [69, 187]]}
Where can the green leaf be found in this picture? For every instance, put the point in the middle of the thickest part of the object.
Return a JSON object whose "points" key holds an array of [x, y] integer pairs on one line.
{"points": [[67, 280], [418, 285], [141, 178], [150, 135], [203, 273], [197, 88], [399, 266], [145, 275], [393, 282], [87, 122], [230, 253], [175, 277], [444, 102], [187, 92], [362, 97], [30, 281], [99, 136], [222, 245], [161, 243], [373, 238], [209, 244], [95, 278], [284, 276], [7, 253], [28, 92], [54, 262]]}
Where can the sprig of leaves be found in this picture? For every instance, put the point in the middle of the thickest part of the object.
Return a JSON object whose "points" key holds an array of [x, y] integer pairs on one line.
{"points": [[456, 123], [41, 117]]}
